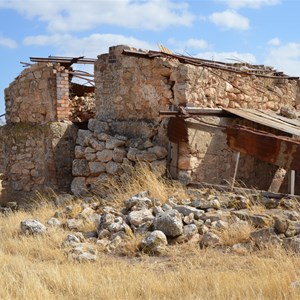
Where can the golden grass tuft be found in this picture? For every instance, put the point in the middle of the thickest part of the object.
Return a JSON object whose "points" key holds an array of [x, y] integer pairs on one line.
{"points": [[236, 233], [142, 178]]}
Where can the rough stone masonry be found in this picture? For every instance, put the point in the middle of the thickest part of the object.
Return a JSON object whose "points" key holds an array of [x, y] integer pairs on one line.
{"points": [[42, 148], [130, 92]]}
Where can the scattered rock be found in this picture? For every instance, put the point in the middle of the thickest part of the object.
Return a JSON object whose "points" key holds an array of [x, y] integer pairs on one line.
{"points": [[186, 210], [139, 217], [210, 239], [31, 226], [54, 222], [169, 223], [265, 236], [154, 243]]}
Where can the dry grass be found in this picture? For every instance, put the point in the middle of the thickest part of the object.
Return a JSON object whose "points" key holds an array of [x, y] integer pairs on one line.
{"points": [[236, 233], [141, 178], [37, 267]]}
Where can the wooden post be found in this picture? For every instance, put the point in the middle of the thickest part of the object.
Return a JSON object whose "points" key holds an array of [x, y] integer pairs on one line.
{"points": [[235, 170], [277, 180], [292, 186]]}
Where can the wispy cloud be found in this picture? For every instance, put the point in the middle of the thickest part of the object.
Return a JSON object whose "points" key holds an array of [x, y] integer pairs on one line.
{"points": [[285, 58], [228, 56], [7, 42], [78, 15], [274, 42], [189, 45], [236, 4], [91, 45], [230, 19]]}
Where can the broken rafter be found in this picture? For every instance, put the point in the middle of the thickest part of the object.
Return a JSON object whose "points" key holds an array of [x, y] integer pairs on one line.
{"points": [[26, 64], [210, 64], [88, 80], [81, 73], [64, 60], [214, 112]]}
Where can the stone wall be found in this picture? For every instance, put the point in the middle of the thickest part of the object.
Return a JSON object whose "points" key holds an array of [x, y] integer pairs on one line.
{"points": [[43, 93], [37, 158], [125, 127], [2, 157], [36, 151], [208, 87], [31, 97], [109, 149], [135, 89], [132, 88]]}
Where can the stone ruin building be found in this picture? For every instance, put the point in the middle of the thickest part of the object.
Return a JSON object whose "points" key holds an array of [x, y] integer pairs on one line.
{"points": [[199, 121]]}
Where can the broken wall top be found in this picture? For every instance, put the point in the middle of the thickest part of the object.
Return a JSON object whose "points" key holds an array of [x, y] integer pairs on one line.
{"points": [[31, 96], [139, 86]]}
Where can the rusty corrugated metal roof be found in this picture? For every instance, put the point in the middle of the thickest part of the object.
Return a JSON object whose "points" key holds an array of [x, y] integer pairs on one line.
{"points": [[268, 118], [278, 150]]}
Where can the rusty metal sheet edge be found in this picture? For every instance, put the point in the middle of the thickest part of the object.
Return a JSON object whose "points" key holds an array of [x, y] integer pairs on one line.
{"points": [[278, 150], [264, 121]]}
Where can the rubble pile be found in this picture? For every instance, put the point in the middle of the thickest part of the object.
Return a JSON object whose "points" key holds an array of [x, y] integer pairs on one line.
{"points": [[82, 108], [226, 221]]}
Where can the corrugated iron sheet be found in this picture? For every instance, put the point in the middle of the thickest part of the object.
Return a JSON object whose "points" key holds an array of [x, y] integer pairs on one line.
{"points": [[268, 119], [278, 150], [177, 130]]}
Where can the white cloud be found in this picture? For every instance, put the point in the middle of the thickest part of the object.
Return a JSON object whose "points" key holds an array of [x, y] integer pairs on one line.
{"points": [[236, 4], [274, 42], [89, 46], [188, 45], [77, 15], [285, 58], [230, 19], [7, 42], [228, 57]]}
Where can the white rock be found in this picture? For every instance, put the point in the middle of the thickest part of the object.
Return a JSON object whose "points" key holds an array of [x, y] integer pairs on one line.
{"points": [[169, 223], [31, 226], [139, 217], [154, 243], [54, 222]]}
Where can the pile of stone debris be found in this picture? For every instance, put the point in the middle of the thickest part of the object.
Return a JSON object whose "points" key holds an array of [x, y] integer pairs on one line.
{"points": [[82, 108], [203, 218]]}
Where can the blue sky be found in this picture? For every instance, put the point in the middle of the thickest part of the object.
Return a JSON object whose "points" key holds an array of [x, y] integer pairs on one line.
{"points": [[255, 31]]}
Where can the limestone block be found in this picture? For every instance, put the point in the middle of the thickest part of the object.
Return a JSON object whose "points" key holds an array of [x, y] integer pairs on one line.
{"points": [[80, 167], [96, 144], [146, 156], [132, 152], [96, 168], [90, 154], [105, 155], [160, 152], [154, 243], [113, 167], [113, 142], [83, 137], [169, 223], [31, 226], [139, 217], [78, 186], [79, 151], [119, 154], [102, 136]]}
